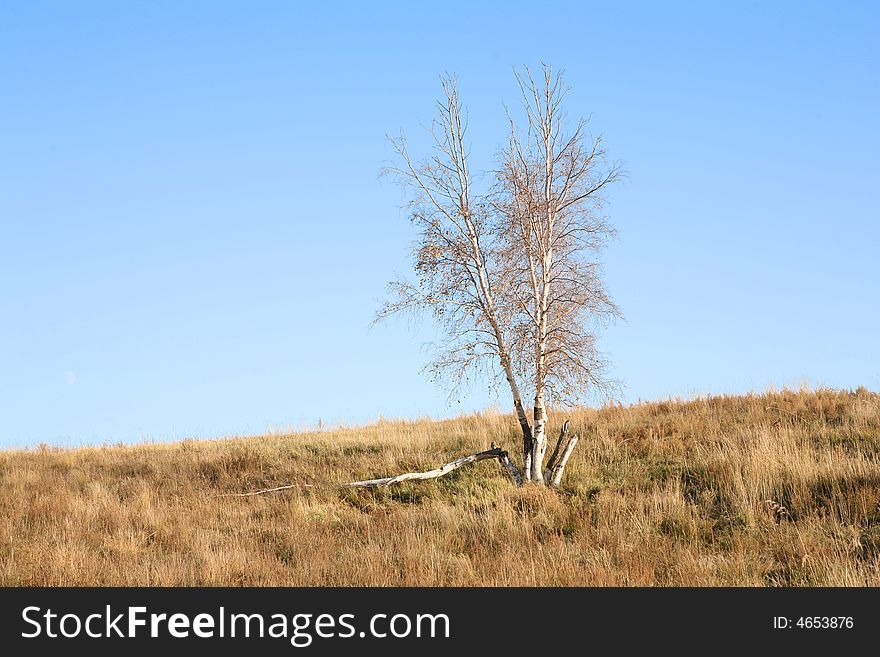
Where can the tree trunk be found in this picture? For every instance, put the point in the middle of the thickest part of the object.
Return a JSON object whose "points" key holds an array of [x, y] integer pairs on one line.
{"points": [[539, 441], [520, 413], [510, 468], [528, 443], [561, 453], [559, 468], [554, 457]]}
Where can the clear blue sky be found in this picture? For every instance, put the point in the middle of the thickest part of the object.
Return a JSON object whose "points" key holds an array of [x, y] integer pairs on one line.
{"points": [[194, 237]]}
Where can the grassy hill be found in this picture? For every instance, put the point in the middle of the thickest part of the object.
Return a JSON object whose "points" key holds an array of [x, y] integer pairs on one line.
{"points": [[771, 489]]}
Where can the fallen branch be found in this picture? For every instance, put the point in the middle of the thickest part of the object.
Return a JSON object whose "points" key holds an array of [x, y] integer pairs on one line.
{"points": [[264, 491], [494, 453]]}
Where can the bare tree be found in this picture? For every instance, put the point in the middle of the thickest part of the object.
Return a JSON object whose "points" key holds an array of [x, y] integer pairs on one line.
{"points": [[511, 274]]}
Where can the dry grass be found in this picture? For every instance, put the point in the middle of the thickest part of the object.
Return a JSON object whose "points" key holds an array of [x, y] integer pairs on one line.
{"points": [[772, 489]]}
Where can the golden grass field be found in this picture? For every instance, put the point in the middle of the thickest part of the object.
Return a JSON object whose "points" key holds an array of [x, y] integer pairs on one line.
{"points": [[774, 489]]}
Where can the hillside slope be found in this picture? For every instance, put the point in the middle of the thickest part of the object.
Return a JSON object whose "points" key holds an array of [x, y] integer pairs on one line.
{"points": [[771, 489]]}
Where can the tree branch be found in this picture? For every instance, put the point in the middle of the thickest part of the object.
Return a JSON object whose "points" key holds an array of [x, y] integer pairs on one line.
{"points": [[494, 453]]}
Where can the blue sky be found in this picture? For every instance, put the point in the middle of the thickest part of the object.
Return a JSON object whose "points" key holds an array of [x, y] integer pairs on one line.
{"points": [[194, 237]]}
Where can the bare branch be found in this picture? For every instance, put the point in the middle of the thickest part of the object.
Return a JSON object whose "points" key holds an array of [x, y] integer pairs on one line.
{"points": [[494, 453]]}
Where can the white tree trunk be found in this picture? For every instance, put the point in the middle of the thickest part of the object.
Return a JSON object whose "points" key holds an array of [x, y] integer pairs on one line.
{"points": [[520, 415], [556, 473], [561, 453], [539, 441]]}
